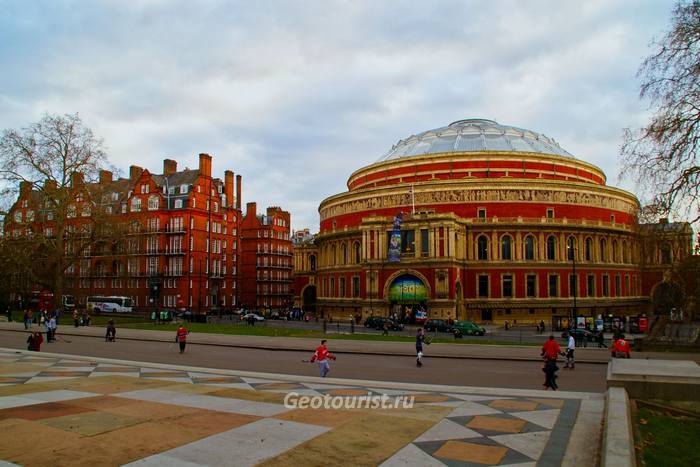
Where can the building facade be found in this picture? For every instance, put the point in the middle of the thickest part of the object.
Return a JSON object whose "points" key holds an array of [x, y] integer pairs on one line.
{"points": [[480, 221], [266, 263], [174, 239]]}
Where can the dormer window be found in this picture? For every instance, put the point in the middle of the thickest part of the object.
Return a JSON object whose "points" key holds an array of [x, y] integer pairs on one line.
{"points": [[18, 216], [183, 189]]}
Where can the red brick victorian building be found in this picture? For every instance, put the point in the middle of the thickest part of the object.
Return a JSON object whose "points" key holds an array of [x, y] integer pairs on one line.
{"points": [[496, 223], [178, 239]]}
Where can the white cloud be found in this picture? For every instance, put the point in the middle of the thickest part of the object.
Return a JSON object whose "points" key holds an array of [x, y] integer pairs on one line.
{"points": [[295, 96]]}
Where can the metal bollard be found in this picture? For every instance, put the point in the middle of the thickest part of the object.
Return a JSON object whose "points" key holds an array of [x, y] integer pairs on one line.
{"points": [[325, 326]]}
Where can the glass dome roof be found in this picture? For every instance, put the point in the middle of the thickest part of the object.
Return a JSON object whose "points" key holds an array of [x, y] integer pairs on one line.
{"points": [[474, 135]]}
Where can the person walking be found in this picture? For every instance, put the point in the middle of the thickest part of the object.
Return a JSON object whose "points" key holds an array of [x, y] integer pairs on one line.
{"points": [[600, 337], [111, 333], [76, 318], [570, 347], [30, 320], [30, 341], [51, 329], [181, 337], [37, 340], [550, 352], [420, 337], [322, 355]]}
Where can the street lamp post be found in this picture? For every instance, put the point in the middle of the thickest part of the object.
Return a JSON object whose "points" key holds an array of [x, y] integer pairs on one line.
{"points": [[572, 254]]}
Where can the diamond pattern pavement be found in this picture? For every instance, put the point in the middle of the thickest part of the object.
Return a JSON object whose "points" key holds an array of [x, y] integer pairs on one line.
{"points": [[126, 413]]}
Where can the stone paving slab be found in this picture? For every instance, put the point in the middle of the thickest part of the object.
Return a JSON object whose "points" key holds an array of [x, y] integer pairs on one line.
{"points": [[150, 414]]}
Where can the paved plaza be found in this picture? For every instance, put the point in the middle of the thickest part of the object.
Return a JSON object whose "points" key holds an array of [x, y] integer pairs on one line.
{"points": [[69, 410]]}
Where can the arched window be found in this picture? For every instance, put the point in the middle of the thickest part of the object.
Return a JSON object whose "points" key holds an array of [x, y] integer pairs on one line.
{"points": [[343, 254], [530, 247], [356, 248], [603, 250], [589, 249], [571, 248], [482, 248], [332, 258], [625, 253], [615, 253], [312, 262], [551, 248], [153, 203], [506, 248]]}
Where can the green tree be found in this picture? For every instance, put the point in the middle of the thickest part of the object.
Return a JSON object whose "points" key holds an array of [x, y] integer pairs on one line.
{"points": [[663, 156]]}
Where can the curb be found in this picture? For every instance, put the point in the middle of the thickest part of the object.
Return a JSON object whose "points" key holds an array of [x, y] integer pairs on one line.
{"points": [[618, 442]]}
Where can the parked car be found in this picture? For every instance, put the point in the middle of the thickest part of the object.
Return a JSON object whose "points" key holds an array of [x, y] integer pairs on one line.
{"points": [[580, 334], [377, 322], [440, 325], [248, 315], [467, 328]]}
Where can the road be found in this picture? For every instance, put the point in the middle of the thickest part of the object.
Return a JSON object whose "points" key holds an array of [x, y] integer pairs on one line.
{"points": [[460, 372]]}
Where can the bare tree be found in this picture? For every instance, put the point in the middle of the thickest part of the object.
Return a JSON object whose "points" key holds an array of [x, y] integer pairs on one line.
{"points": [[55, 159], [663, 156]]}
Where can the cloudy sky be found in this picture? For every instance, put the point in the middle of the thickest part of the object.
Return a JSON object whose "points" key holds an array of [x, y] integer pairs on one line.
{"points": [[296, 95]]}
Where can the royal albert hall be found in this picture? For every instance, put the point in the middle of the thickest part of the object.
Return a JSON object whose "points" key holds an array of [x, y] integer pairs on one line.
{"points": [[497, 223]]}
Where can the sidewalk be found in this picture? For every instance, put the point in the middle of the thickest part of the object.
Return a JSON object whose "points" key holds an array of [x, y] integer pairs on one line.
{"points": [[99, 411], [340, 346]]}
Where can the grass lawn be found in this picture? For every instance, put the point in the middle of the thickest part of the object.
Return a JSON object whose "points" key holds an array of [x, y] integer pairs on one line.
{"points": [[290, 332], [667, 439]]}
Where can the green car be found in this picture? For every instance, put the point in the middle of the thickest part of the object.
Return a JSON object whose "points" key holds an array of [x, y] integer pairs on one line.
{"points": [[461, 328]]}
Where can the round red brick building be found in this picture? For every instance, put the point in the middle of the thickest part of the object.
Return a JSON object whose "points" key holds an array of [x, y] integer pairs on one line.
{"points": [[475, 220]]}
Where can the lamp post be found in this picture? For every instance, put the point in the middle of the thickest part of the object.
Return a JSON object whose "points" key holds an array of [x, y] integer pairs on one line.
{"points": [[572, 254]]}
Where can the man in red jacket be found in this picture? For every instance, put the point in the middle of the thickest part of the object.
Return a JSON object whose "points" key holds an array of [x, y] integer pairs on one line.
{"points": [[550, 352], [322, 355]]}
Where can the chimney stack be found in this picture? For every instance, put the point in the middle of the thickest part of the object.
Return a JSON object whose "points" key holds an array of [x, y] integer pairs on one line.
{"points": [[25, 188], [205, 165], [50, 185], [228, 187], [76, 179], [169, 167], [135, 172], [105, 176], [251, 209], [238, 192]]}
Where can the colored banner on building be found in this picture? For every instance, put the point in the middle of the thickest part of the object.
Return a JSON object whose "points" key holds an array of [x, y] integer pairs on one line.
{"points": [[408, 289], [394, 253]]}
